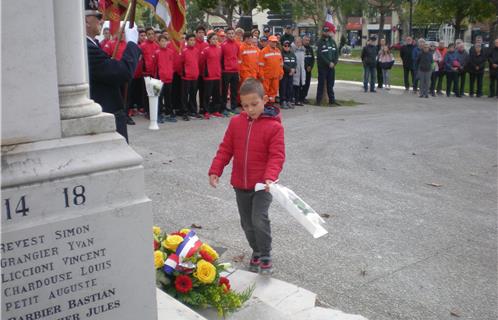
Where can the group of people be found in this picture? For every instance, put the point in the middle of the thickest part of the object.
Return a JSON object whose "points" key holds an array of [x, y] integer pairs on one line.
{"points": [[429, 63], [214, 63]]}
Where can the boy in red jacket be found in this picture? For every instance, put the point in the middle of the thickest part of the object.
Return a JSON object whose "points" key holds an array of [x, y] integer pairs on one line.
{"points": [[211, 75], [230, 64], [190, 63], [255, 140], [164, 58]]}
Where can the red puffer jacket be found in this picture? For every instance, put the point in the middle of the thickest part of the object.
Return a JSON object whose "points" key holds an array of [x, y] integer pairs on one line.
{"points": [[257, 147]]}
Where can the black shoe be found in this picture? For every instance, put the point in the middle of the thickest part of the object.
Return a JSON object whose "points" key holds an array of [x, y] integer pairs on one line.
{"points": [[186, 117], [305, 101], [336, 103], [130, 121], [373, 90]]}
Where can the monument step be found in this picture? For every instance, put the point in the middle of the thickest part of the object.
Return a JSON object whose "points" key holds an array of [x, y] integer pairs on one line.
{"points": [[252, 310], [319, 313], [168, 308]]}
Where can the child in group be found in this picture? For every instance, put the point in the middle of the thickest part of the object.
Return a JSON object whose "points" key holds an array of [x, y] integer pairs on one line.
{"points": [[190, 63], [270, 68], [386, 61], [164, 59], [286, 83], [211, 74], [255, 140]]}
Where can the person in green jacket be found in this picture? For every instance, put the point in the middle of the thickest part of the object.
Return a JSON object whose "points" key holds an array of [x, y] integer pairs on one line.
{"points": [[327, 58]]}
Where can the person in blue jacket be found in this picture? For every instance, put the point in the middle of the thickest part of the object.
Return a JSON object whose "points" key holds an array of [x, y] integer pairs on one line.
{"points": [[415, 53], [107, 75], [451, 67]]}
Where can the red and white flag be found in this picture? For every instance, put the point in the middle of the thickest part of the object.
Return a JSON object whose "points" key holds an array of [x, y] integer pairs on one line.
{"points": [[329, 22]]}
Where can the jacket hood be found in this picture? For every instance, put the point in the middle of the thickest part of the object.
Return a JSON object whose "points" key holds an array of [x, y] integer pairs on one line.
{"points": [[270, 112]]}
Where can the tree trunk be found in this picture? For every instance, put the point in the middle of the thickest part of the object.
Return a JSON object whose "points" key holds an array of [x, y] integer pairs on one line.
{"points": [[381, 24]]}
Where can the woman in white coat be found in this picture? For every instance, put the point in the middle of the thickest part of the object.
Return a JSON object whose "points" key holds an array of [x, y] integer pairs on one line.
{"points": [[299, 78]]}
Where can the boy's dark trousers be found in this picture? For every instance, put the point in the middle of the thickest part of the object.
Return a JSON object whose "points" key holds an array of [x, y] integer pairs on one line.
{"points": [[164, 101], [200, 88], [473, 78], [406, 74], [230, 79], [286, 88], [452, 80], [306, 86], [176, 99], [212, 89], [189, 99], [461, 81], [253, 210]]}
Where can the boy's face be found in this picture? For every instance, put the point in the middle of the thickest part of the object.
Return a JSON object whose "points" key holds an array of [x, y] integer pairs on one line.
{"points": [[163, 43], [191, 42], [253, 104], [150, 35]]}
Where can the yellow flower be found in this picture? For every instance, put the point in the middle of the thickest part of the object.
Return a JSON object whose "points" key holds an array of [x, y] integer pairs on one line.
{"points": [[158, 259], [156, 230], [172, 242], [206, 272], [206, 247], [186, 231]]}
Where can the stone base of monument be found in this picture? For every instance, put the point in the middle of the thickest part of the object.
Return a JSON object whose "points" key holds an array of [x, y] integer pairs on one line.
{"points": [[272, 299]]}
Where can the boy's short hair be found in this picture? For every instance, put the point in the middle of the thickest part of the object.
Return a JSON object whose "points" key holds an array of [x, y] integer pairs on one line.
{"points": [[229, 28], [162, 37], [451, 45], [149, 28], [251, 85], [190, 35], [199, 28]]}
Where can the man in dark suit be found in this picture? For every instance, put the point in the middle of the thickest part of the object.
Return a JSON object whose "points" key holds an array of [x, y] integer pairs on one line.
{"points": [[107, 75]]}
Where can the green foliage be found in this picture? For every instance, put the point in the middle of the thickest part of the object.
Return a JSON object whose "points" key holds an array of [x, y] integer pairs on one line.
{"points": [[195, 15], [444, 11]]}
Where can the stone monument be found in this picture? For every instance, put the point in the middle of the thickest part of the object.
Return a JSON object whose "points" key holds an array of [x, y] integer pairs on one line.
{"points": [[76, 239]]}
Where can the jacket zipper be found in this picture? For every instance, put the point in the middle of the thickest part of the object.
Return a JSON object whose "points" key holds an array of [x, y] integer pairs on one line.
{"points": [[247, 152]]}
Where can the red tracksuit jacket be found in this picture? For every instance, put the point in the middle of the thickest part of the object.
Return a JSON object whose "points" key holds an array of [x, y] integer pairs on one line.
{"points": [[149, 48], [230, 52], [190, 63], [164, 58], [177, 57], [257, 147], [211, 63]]}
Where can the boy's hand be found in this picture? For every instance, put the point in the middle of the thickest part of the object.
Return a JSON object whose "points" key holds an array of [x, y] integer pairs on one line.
{"points": [[267, 186], [213, 180]]}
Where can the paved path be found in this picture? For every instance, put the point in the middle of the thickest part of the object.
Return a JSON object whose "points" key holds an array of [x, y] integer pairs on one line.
{"points": [[398, 247]]}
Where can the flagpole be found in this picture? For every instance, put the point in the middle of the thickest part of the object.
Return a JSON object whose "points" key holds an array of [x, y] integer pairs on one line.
{"points": [[121, 30]]}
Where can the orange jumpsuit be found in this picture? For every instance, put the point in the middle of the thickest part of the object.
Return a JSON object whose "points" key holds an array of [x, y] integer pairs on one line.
{"points": [[270, 70], [248, 60]]}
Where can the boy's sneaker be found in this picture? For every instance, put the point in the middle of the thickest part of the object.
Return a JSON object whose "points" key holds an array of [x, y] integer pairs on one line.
{"points": [[254, 264], [217, 115], [265, 266], [186, 117], [207, 116]]}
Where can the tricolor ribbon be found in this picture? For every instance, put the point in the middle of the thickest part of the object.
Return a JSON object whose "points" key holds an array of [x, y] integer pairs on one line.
{"points": [[189, 246], [171, 263]]}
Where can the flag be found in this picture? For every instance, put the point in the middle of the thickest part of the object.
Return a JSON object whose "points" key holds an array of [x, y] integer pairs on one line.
{"points": [[161, 10], [189, 246], [113, 10], [329, 21]]}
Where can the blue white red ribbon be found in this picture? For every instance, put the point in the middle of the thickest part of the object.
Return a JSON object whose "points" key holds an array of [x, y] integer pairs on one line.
{"points": [[189, 246], [171, 263]]}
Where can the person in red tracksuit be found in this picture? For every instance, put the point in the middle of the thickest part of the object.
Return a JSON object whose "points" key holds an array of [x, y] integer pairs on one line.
{"points": [[176, 99], [255, 141], [211, 74], [230, 68], [190, 63], [164, 58], [149, 47], [200, 44]]}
